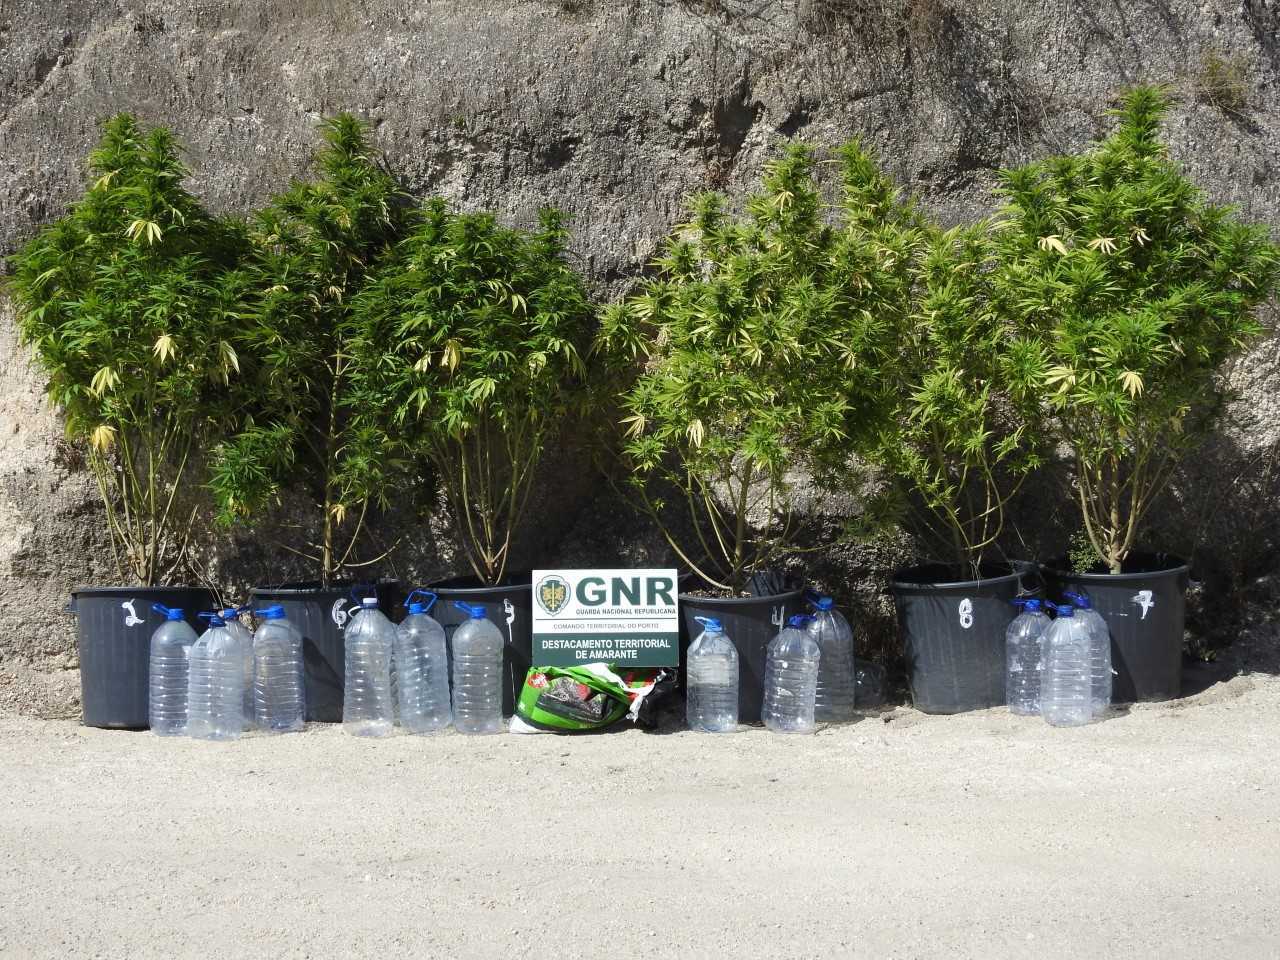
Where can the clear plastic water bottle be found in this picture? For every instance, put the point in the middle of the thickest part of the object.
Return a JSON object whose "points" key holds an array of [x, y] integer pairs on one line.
{"points": [[367, 707], [1024, 657], [1066, 685], [1099, 652], [477, 673], [170, 649], [215, 684], [835, 698], [422, 668], [243, 636], [791, 678], [711, 704], [868, 685], [279, 694]]}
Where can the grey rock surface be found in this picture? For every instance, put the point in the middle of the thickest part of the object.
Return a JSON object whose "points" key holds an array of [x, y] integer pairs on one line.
{"points": [[613, 110]]}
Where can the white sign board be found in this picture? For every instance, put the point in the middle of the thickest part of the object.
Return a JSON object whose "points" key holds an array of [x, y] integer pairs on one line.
{"points": [[623, 617]]}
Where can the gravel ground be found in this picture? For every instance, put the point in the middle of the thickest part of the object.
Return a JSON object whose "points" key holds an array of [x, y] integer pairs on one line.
{"points": [[1154, 833]]}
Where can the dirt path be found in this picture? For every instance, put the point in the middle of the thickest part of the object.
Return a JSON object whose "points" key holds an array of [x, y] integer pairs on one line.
{"points": [[1156, 833]]}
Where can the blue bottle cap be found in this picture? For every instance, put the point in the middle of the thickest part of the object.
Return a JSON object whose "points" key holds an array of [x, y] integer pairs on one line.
{"points": [[799, 620], [273, 612], [476, 612], [418, 606], [710, 624], [1080, 600], [170, 613], [819, 601], [215, 619]]}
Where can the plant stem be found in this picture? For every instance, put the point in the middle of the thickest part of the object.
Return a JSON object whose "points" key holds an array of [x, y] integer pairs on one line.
{"points": [[330, 474]]}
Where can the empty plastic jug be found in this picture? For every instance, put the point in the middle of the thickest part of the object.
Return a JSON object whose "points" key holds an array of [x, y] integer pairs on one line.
{"points": [[422, 668], [477, 673], [170, 649], [836, 684], [1099, 652], [1066, 687], [1024, 657], [367, 707], [791, 678], [868, 685], [711, 705], [215, 684], [278, 691], [243, 636]]}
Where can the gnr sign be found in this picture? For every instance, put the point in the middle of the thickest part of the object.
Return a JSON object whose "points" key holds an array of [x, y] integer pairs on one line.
{"points": [[623, 617]]}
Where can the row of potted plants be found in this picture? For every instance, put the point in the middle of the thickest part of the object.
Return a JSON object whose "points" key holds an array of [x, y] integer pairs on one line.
{"points": [[796, 360]]}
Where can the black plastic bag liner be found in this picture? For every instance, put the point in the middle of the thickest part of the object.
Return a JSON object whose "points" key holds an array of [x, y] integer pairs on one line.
{"points": [[953, 633], [322, 615], [510, 606], [113, 632], [750, 622], [1145, 609]]}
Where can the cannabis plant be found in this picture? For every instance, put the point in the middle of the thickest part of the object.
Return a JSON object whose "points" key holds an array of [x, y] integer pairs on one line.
{"points": [[470, 358], [126, 302], [313, 247], [1137, 289], [762, 338], [965, 430]]}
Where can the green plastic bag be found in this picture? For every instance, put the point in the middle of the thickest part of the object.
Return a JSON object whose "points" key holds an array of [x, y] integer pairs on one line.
{"points": [[590, 697]]}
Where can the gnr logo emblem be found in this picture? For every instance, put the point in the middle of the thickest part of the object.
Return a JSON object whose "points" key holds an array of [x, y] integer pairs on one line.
{"points": [[552, 593]]}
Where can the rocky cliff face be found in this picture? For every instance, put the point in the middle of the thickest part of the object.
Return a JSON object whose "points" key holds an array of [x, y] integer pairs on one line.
{"points": [[613, 110]]}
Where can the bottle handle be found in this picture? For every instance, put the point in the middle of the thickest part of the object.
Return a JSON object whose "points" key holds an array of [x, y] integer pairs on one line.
{"points": [[424, 593]]}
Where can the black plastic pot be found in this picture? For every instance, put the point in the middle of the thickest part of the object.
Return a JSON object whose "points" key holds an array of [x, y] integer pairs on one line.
{"points": [[1145, 609], [953, 633], [322, 615], [114, 627], [750, 622], [510, 606]]}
